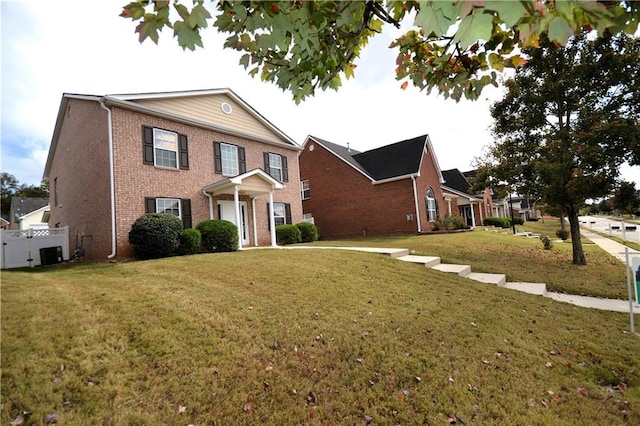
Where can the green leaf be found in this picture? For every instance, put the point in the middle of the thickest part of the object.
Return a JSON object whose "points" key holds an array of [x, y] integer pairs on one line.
{"points": [[182, 11], [559, 30], [134, 10], [477, 26], [436, 17], [188, 38], [510, 12], [199, 16]]}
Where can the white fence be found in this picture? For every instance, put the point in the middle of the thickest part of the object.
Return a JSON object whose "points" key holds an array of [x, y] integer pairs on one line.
{"points": [[33, 247]]}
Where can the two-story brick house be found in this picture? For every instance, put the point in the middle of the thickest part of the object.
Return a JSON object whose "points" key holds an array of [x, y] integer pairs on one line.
{"points": [[200, 155], [388, 190]]}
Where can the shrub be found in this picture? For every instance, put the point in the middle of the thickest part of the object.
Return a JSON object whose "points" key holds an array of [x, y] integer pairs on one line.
{"points": [[500, 222], [155, 235], [563, 234], [546, 242], [518, 220], [189, 242], [218, 235], [308, 232], [288, 234], [449, 223], [532, 219]]}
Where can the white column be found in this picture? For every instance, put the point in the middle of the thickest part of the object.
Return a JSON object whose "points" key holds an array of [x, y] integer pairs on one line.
{"points": [[253, 216], [449, 203], [473, 215], [272, 222], [236, 206]]}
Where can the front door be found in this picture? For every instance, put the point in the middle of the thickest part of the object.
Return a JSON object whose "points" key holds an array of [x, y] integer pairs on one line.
{"points": [[227, 211]]}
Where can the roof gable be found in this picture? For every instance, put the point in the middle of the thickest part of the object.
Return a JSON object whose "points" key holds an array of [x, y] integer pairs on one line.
{"points": [[216, 107], [21, 206], [454, 179], [397, 160]]}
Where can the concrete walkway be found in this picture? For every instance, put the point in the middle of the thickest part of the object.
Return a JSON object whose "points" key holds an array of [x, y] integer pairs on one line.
{"points": [[539, 289]]}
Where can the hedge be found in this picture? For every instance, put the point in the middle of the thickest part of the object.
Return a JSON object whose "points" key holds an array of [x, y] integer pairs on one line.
{"points": [[287, 234], [190, 242], [155, 235], [218, 236], [308, 232]]}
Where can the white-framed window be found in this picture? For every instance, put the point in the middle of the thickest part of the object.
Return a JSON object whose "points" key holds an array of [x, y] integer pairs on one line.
{"points": [[432, 206], [279, 214], [168, 206], [165, 148], [229, 154], [305, 192], [275, 166]]}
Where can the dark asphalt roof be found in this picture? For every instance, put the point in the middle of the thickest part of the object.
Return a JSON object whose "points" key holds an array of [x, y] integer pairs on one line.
{"points": [[454, 179]]}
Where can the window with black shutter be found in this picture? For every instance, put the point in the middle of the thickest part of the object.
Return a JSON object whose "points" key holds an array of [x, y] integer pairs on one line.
{"points": [[164, 148]]}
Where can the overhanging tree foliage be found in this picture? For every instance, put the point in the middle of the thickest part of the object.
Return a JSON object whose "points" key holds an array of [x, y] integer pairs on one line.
{"points": [[456, 47], [625, 198], [569, 120]]}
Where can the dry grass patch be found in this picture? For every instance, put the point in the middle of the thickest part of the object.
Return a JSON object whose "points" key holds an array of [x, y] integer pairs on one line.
{"points": [[304, 337], [520, 258]]}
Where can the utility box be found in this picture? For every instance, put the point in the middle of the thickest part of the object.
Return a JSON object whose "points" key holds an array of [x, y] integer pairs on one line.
{"points": [[50, 255]]}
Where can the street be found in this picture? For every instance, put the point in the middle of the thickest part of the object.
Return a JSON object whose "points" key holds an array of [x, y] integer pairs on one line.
{"points": [[607, 226]]}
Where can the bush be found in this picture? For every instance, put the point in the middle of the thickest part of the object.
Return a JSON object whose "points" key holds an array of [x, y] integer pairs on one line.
{"points": [[189, 242], [287, 234], [155, 235], [532, 219], [500, 222], [449, 223], [546, 242], [308, 232], [518, 220], [218, 236], [563, 234]]}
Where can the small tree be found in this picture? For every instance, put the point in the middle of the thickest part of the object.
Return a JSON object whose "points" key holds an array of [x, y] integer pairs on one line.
{"points": [[155, 235], [218, 235]]}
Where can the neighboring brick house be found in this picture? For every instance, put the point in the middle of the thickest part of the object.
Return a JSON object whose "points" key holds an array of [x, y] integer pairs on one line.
{"points": [[200, 155], [462, 201], [389, 190]]}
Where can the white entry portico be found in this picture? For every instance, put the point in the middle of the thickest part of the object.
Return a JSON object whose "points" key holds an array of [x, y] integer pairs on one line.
{"points": [[252, 184]]}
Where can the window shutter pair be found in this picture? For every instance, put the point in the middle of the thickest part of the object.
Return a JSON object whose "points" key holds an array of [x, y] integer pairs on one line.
{"points": [[185, 210], [147, 148], [285, 168], [287, 215], [217, 159]]}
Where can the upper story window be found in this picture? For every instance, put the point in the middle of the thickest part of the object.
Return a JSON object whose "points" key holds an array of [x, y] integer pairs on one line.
{"points": [[432, 206], [276, 166], [229, 160], [164, 148], [305, 192]]}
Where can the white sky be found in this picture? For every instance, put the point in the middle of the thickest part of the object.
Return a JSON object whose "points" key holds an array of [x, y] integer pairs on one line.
{"points": [[83, 46]]}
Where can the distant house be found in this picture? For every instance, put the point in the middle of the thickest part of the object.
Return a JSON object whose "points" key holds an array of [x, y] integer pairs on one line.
{"points": [[28, 213], [199, 155], [461, 200], [388, 190], [4, 223]]}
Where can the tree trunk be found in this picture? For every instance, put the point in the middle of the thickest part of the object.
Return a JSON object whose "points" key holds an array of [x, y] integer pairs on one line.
{"points": [[576, 241]]}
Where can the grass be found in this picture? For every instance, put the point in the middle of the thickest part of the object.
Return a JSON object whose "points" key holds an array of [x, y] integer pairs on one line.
{"points": [[313, 337], [520, 258]]}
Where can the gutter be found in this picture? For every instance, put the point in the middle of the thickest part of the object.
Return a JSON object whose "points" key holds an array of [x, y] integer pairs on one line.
{"points": [[112, 191], [210, 203], [415, 198]]}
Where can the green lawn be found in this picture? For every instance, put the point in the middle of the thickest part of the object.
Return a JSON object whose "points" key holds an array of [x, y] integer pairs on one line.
{"points": [[317, 337], [521, 259]]}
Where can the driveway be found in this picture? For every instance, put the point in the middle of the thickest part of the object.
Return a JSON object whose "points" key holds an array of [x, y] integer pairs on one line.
{"points": [[601, 224]]}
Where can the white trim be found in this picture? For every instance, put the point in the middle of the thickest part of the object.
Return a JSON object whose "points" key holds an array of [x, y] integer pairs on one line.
{"points": [[459, 194], [239, 224], [272, 222], [112, 178], [255, 225], [415, 199], [393, 179]]}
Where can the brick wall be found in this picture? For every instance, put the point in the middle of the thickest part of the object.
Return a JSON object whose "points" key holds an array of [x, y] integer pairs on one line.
{"points": [[79, 174], [135, 180]]}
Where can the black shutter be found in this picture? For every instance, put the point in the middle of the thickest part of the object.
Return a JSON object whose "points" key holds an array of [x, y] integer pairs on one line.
{"points": [[217, 157], [186, 213], [285, 169], [242, 161], [268, 217], [150, 205], [184, 152], [147, 145], [287, 214], [267, 168]]}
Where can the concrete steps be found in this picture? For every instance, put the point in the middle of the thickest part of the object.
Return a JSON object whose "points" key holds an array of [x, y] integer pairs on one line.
{"points": [[497, 279], [429, 261], [538, 289], [462, 270]]}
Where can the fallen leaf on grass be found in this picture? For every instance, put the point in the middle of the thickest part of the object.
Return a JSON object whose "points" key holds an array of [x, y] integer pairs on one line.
{"points": [[549, 365], [531, 403], [51, 418], [454, 420], [583, 391], [246, 408], [182, 409]]}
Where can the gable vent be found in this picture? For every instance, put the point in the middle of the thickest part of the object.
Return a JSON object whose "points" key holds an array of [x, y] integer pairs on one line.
{"points": [[226, 108]]}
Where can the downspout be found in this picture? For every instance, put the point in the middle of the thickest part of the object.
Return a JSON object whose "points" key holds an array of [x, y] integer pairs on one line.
{"points": [[415, 199], [210, 203], [111, 181]]}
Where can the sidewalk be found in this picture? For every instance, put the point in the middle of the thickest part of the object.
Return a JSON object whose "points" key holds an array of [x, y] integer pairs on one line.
{"points": [[614, 248]]}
